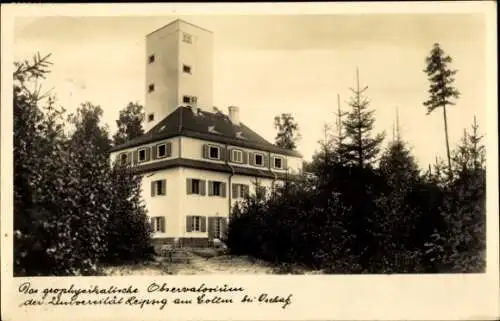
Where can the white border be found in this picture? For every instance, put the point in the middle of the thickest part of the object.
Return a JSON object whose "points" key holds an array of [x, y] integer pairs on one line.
{"points": [[473, 296]]}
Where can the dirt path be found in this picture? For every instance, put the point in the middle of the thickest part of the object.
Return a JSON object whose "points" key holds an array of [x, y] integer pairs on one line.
{"points": [[195, 264]]}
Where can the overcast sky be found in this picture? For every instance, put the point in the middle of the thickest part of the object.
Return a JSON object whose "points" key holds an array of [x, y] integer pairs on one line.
{"points": [[269, 65]]}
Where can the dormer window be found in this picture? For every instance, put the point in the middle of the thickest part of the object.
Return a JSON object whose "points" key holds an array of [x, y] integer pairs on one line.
{"points": [[214, 152]]}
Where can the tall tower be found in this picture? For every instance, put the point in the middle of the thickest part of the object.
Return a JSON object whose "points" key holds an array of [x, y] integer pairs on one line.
{"points": [[179, 70]]}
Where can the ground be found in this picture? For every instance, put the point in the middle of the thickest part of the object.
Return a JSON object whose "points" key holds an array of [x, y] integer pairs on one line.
{"points": [[202, 261]]}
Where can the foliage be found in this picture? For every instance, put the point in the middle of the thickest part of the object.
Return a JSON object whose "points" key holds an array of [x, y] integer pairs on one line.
{"points": [[360, 148], [441, 90], [129, 123], [288, 131], [65, 193]]}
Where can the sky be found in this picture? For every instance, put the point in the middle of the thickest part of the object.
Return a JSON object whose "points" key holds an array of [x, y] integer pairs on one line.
{"points": [[269, 64]]}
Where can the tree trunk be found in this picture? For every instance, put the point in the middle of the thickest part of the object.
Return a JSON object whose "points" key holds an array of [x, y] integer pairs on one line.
{"points": [[446, 138]]}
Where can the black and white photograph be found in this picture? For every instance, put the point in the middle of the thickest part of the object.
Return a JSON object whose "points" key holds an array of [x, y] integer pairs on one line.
{"points": [[291, 144]]}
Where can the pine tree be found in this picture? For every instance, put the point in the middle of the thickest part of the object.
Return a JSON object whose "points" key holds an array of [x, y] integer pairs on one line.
{"points": [[288, 131], [441, 91], [360, 148], [129, 123]]}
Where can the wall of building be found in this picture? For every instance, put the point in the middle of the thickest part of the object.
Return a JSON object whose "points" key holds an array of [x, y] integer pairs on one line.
{"points": [[163, 73], [199, 56], [169, 205]]}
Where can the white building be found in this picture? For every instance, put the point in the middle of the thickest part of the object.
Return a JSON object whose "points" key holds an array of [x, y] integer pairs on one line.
{"points": [[196, 162]]}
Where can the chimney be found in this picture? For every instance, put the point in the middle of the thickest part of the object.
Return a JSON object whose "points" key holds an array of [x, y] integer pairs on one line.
{"points": [[234, 115]]}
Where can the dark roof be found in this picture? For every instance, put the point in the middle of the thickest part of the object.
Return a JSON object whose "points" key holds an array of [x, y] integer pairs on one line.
{"points": [[214, 127], [191, 163]]}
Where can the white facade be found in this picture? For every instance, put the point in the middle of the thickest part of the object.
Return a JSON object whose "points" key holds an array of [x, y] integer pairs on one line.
{"points": [[176, 204], [179, 70]]}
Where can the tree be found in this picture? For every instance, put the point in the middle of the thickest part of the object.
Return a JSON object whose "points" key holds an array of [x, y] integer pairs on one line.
{"points": [[441, 91], [129, 123], [360, 148], [288, 131]]}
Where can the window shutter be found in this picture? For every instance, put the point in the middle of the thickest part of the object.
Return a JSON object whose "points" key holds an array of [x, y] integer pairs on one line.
{"points": [[189, 187], [169, 149], [153, 189], [265, 160], [251, 159], [235, 190], [223, 189], [244, 157], [222, 152], [129, 158], [151, 224], [285, 165], [162, 225], [136, 156], [164, 187], [246, 190], [202, 187], [210, 188], [205, 151], [211, 226], [203, 224], [189, 223], [154, 151], [148, 154]]}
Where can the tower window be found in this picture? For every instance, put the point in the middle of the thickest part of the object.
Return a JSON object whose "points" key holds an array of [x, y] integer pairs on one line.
{"points": [[151, 88], [151, 117], [186, 69], [151, 59], [187, 38], [186, 99]]}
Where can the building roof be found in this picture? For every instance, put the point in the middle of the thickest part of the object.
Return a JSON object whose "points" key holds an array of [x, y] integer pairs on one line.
{"points": [[214, 127]]}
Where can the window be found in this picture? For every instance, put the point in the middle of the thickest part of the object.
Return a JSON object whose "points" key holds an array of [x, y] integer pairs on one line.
{"points": [[278, 163], [158, 224], [259, 160], [151, 117], [151, 59], [195, 186], [196, 224], [161, 150], [216, 188], [159, 187], [189, 99], [142, 155], [123, 159], [151, 88], [213, 152], [240, 190], [187, 38], [237, 156], [186, 69]]}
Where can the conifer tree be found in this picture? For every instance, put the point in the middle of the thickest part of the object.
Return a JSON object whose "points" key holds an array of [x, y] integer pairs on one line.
{"points": [[360, 148], [441, 91]]}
